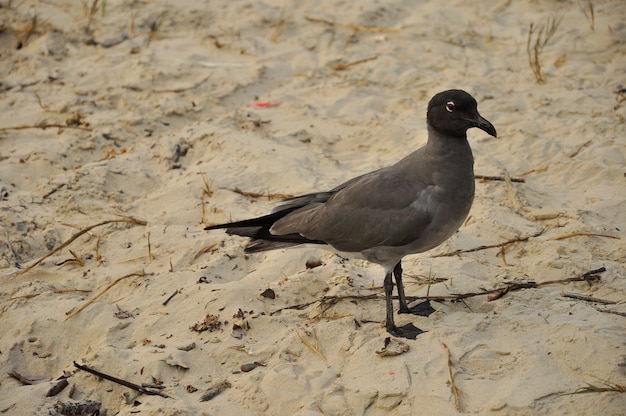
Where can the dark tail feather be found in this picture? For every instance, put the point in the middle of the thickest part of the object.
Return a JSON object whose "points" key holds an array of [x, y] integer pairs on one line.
{"points": [[258, 230]]}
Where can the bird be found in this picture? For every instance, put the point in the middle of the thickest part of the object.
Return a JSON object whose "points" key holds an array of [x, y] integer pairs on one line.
{"points": [[384, 215]]}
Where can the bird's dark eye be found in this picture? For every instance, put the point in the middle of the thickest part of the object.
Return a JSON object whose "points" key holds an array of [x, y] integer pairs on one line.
{"points": [[450, 106]]}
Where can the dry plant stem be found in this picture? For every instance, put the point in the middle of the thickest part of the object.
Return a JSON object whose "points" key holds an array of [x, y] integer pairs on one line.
{"points": [[506, 243], [103, 291], [260, 195], [584, 233], [150, 255], [194, 86], [543, 36], [343, 67], [590, 14], [121, 382], [455, 390], [618, 388], [613, 312], [353, 27], [44, 126], [588, 298], [170, 298], [581, 147], [202, 251], [499, 178], [313, 346], [324, 300], [590, 276], [80, 233]]}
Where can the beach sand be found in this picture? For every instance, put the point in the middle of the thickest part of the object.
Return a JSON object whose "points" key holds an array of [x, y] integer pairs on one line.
{"points": [[180, 115]]}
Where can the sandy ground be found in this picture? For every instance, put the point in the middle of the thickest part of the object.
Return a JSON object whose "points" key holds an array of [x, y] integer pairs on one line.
{"points": [[183, 114]]}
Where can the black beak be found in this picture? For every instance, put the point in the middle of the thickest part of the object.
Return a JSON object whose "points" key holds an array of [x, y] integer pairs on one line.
{"points": [[483, 124]]}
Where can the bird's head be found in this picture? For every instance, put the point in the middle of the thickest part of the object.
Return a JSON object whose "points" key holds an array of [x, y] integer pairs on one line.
{"points": [[453, 112]]}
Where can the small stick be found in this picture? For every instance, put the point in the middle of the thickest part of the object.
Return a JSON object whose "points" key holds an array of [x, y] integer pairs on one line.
{"points": [[613, 312], [103, 291], [150, 256], [44, 126], [53, 191], [581, 147], [121, 382], [68, 290], [260, 195], [590, 276], [506, 243], [587, 298], [353, 27], [584, 233], [78, 234], [343, 67], [536, 170], [498, 178], [455, 390], [192, 87], [324, 300], [170, 298]]}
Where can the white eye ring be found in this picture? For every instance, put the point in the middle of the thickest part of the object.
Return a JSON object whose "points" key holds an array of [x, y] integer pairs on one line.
{"points": [[450, 106]]}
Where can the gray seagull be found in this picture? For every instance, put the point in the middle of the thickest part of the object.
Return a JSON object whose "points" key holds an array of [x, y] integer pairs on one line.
{"points": [[384, 215]]}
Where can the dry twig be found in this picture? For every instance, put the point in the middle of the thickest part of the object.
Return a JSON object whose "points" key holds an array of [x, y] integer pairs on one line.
{"points": [[585, 234], [44, 126], [80, 233], [588, 298], [343, 67], [589, 277], [499, 178], [103, 291], [455, 390], [485, 247], [182, 89], [353, 27], [121, 382], [260, 195]]}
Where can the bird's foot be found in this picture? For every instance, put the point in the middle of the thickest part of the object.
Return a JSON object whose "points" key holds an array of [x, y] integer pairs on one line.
{"points": [[421, 309], [408, 331]]}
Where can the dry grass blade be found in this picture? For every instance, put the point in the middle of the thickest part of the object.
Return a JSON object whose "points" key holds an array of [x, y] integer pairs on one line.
{"points": [[343, 67], [182, 89], [44, 126], [103, 291], [535, 44], [584, 234], [260, 195], [311, 342], [590, 14], [455, 390], [80, 233], [608, 386], [353, 27], [203, 250]]}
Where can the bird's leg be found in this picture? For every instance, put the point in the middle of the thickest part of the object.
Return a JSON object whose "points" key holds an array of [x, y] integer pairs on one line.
{"points": [[388, 285], [406, 331], [397, 272], [421, 309]]}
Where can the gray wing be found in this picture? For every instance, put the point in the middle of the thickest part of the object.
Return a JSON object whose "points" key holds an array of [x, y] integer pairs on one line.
{"points": [[376, 209]]}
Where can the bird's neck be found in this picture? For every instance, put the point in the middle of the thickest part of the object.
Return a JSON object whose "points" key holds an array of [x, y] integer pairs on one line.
{"points": [[444, 149]]}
